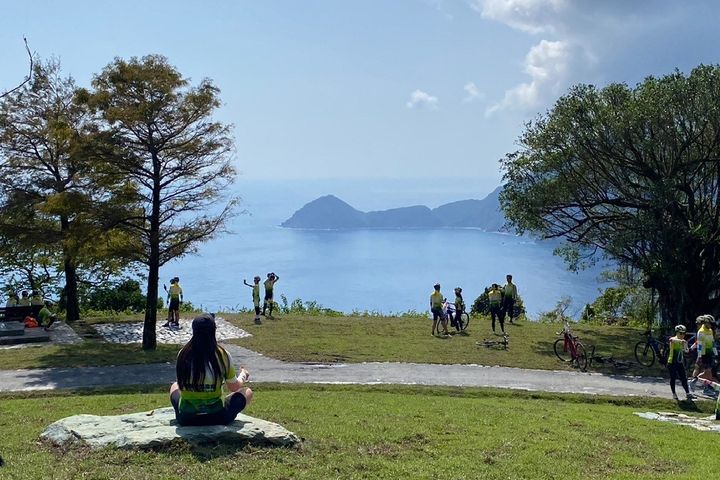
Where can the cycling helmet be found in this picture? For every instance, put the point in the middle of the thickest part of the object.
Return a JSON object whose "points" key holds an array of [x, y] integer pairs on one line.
{"points": [[458, 289], [437, 285], [680, 329]]}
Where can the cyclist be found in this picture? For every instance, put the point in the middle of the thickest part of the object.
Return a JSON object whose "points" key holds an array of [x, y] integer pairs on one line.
{"points": [[255, 296], [675, 364], [436, 307], [459, 309], [269, 286], [705, 345], [495, 301], [509, 298], [175, 298]]}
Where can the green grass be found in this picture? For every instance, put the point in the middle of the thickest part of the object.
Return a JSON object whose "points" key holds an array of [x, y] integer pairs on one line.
{"points": [[313, 338], [381, 432], [321, 338]]}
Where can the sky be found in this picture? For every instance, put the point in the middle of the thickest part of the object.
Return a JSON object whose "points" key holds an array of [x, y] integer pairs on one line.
{"points": [[373, 89]]}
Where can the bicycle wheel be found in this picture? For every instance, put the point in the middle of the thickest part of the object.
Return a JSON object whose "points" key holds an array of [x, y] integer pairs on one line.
{"points": [[560, 351], [464, 321], [580, 357], [644, 354]]}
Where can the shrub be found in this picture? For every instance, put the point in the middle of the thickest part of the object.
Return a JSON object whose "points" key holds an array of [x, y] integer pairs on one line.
{"points": [[119, 297]]}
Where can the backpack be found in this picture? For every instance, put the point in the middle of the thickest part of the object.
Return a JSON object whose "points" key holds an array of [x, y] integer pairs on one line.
{"points": [[30, 322]]}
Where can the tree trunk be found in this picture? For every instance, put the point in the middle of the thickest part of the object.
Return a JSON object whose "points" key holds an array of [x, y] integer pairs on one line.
{"points": [[149, 336], [72, 304]]}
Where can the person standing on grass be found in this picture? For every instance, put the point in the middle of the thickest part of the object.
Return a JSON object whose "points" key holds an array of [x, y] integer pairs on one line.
{"points": [[255, 296], [509, 297], [706, 352], [269, 287], [436, 307], [202, 368], [175, 298], [709, 384], [495, 296], [459, 308], [676, 363]]}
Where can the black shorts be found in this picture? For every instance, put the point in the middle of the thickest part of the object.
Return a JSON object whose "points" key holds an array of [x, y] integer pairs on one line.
{"points": [[705, 361], [437, 313], [174, 304], [232, 405], [268, 295]]}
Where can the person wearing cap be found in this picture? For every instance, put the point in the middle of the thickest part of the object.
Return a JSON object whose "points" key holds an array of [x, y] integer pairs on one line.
{"points": [[269, 285], [706, 352], [255, 296], [174, 299], [436, 307], [675, 362], [459, 309], [36, 300], [202, 368]]}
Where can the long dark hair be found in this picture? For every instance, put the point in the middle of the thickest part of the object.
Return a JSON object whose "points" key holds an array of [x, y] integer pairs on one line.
{"points": [[199, 354]]}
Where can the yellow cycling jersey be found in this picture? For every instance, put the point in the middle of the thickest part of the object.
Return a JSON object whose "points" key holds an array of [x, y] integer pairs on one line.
{"points": [[436, 300]]}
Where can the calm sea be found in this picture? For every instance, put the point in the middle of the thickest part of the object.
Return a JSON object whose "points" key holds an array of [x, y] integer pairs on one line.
{"points": [[377, 270]]}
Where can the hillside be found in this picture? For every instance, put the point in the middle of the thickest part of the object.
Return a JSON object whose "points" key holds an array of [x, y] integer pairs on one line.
{"points": [[329, 212]]}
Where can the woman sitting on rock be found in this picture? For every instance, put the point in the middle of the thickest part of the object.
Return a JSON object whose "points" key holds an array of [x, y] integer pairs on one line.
{"points": [[202, 368]]}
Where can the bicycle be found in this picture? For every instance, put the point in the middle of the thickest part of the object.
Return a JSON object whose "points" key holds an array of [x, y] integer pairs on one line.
{"points": [[449, 311], [503, 344], [569, 349], [616, 364], [646, 351]]}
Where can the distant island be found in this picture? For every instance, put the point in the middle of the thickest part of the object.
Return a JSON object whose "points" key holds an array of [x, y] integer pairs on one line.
{"points": [[331, 213]]}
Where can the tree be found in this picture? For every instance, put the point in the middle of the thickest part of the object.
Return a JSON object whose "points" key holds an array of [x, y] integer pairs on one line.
{"points": [[634, 174], [166, 143], [49, 200], [27, 77]]}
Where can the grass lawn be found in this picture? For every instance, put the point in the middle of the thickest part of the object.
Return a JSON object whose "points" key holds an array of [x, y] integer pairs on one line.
{"points": [[381, 432], [319, 338], [314, 338]]}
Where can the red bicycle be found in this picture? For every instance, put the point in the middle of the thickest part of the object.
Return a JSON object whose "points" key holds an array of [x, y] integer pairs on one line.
{"points": [[569, 349]]}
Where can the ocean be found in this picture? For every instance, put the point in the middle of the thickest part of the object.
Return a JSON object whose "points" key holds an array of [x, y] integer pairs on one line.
{"points": [[386, 271]]}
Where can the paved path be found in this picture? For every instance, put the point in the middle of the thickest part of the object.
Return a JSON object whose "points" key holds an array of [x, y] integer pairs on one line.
{"points": [[264, 369]]}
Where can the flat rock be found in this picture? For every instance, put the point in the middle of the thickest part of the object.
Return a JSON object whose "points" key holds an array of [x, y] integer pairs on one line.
{"points": [[705, 424], [158, 428]]}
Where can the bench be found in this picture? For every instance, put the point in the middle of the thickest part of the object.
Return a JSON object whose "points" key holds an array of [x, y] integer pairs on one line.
{"points": [[18, 314]]}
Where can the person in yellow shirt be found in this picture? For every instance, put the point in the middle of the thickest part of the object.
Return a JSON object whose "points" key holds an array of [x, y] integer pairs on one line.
{"points": [[269, 285], [436, 307], [24, 299], [255, 296], [509, 298], [36, 300], [12, 300], [175, 298], [706, 351], [495, 296], [675, 363]]}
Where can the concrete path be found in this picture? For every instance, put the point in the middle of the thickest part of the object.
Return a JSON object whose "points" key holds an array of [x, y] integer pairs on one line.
{"points": [[265, 369]]}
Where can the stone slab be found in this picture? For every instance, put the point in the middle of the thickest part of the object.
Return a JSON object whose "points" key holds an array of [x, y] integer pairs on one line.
{"points": [[705, 424], [11, 329], [133, 332], [158, 428], [30, 335]]}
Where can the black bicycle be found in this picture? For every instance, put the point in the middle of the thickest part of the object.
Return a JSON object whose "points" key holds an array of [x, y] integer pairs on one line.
{"points": [[489, 343], [610, 361], [449, 311], [650, 349]]}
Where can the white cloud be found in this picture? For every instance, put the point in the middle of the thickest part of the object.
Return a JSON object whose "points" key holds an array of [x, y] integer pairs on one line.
{"points": [[547, 64], [419, 99], [472, 92], [532, 16]]}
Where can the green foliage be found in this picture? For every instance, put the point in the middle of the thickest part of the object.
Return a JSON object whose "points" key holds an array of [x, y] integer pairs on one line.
{"points": [[632, 174], [122, 296], [481, 306], [309, 308]]}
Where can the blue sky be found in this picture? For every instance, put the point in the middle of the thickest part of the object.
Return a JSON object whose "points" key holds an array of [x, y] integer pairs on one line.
{"points": [[374, 89]]}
